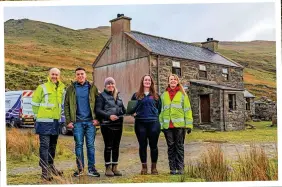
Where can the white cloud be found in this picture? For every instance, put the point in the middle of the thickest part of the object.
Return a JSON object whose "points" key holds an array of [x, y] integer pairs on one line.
{"points": [[264, 27]]}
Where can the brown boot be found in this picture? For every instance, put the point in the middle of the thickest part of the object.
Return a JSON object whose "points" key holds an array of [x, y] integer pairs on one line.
{"points": [[116, 171], [154, 170], [109, 171], [144, 170]]}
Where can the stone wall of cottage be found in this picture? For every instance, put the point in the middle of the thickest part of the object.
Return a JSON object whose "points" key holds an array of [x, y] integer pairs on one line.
{"points": [[221, 118], [190, 70], [215, 106], [265, 109], [235, 119]]}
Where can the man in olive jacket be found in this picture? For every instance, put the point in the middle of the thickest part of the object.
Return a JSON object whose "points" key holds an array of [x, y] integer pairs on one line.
{"points": [[80, 115]]}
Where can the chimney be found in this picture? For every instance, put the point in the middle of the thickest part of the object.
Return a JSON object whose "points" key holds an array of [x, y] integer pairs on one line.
{"points": [[120, 24], [210, 44]]}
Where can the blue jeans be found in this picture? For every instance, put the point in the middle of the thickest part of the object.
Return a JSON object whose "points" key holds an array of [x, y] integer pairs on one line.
{"points": [[80, 130]]}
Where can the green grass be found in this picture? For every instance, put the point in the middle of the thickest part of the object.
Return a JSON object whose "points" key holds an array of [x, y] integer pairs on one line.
{"points": [[262, 133]]}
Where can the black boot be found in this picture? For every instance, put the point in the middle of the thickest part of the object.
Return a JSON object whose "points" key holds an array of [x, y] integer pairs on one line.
{"points": [[55, 171], [46, 174]]}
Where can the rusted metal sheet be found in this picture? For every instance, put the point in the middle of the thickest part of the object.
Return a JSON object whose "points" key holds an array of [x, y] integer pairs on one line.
{"points": [[121, 25], [121, 49], [127, 75]]}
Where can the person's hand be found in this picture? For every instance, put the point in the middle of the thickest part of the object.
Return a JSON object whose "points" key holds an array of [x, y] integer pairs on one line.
{"points": [[95, 122], [189, 130], [113, 117], [134, 114], [70, 125]]}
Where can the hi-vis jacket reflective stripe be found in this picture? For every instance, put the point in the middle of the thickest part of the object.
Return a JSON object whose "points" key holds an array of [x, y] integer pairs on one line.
{"points": [[47, 101], [178, 111]]}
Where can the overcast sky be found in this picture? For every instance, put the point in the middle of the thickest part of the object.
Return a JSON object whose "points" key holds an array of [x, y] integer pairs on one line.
{"points": [[186, 22]]}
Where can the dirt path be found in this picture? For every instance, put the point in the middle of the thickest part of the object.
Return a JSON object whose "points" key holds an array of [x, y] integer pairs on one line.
{"points": [[129, 162]]}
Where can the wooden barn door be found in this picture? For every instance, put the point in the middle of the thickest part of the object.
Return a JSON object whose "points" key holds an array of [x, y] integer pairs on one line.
{"points": [[205, 108]]}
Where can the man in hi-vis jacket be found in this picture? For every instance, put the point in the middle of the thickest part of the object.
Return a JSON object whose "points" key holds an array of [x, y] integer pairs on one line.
{"points": [[46, 105]]}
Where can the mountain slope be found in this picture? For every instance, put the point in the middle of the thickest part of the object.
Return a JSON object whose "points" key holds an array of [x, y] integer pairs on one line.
{"points": [[34, 44]]}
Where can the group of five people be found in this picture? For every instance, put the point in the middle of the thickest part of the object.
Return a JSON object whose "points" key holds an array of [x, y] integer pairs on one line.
{"points": [[85, 108]]}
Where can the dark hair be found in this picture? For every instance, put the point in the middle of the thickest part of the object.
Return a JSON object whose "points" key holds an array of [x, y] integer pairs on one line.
{"points": [[140, 93], [79, 68]]}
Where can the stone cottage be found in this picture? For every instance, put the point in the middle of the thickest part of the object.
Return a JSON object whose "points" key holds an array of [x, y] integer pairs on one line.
{"points": [[214, 82]]}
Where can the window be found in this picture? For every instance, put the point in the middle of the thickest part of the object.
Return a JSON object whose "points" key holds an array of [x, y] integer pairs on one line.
{"points": [[225, 74], [176, 69], [248, 104], [202, 71], [232, 102]]}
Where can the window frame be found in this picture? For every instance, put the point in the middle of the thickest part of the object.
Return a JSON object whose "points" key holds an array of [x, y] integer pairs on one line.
{"points": [[203, 70], [176, 65], [225, 75], [176, 68], [232, 99]]}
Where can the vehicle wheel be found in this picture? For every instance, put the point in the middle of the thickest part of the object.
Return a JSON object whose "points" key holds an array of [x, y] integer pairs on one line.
{"points": [[64, 130]]}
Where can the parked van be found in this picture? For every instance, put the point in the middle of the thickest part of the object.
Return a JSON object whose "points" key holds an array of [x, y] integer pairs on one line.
{"points": [[18, 108]]}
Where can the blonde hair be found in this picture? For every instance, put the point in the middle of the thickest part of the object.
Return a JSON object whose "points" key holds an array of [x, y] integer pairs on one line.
{"points": [[179, 83], [115, 92]]}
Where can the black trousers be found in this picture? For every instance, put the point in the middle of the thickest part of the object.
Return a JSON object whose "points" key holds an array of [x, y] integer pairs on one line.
{"points": [[112, 137], [175, 141], [47, 149], [147, 131]]}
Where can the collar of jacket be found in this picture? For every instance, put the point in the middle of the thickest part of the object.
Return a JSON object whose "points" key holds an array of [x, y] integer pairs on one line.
{"points": [[108, 92], [176, 89], [75, 82]]}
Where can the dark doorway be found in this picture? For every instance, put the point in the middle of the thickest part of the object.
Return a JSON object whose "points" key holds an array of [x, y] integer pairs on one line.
{"points": [[205, 108]]}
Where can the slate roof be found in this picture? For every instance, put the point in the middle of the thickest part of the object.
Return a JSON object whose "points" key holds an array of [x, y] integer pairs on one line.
{"points": [[179, 49], [248, 94], [214, 84]]}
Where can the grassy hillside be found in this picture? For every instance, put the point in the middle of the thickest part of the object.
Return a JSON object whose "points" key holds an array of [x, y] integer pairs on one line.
{"points": [[32, 46], [36, 43]]}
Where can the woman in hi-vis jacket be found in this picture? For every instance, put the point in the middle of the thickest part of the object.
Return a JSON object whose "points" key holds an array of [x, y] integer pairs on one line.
{"points": [[175, 119]]}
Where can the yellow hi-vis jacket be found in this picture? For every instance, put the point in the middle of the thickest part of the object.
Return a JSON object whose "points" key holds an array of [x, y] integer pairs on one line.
{"points": [[47, 101], [178, 111]]}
